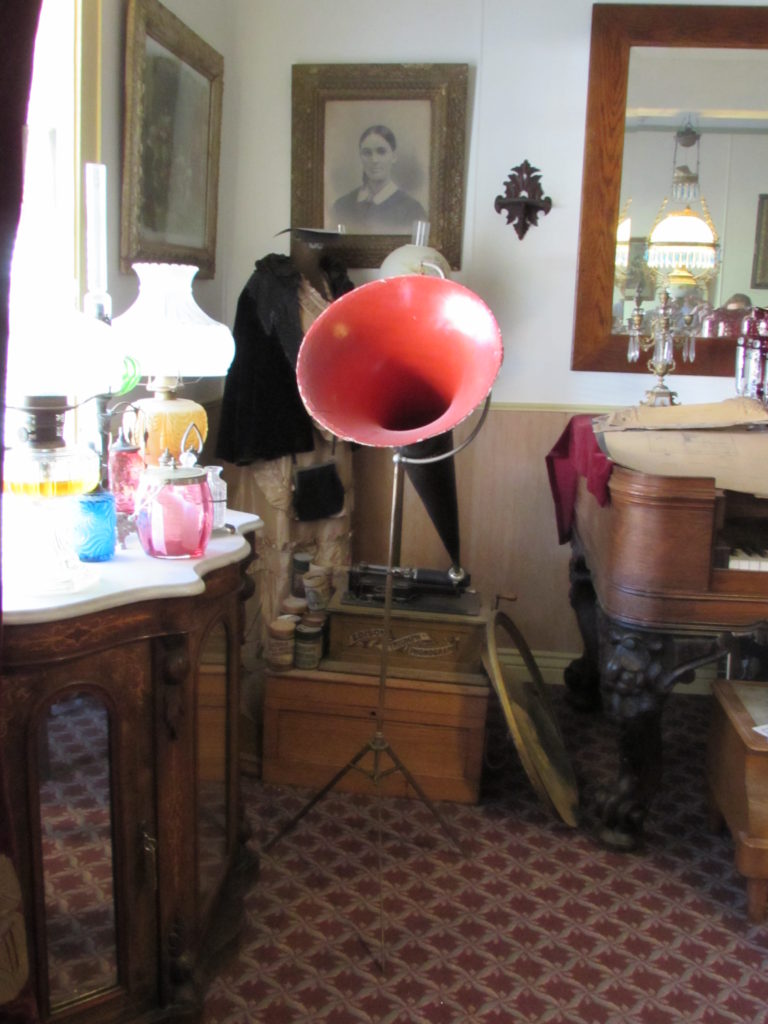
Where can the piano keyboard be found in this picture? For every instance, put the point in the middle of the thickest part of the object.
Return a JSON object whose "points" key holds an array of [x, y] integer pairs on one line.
{"points": [[751, 561]]}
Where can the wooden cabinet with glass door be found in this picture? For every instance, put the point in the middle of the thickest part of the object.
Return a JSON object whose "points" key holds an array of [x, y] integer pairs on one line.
{"points": [[130, 839]]}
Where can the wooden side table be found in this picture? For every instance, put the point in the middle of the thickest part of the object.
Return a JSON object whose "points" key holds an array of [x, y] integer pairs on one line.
{"points": [[737, 775]]}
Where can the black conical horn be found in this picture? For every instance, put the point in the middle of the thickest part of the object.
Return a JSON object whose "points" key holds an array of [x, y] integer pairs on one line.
{"points": [[435, 484]]}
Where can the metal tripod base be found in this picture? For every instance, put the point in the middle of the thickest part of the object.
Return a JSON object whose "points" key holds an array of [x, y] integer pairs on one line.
{"points": [[379, 746]]}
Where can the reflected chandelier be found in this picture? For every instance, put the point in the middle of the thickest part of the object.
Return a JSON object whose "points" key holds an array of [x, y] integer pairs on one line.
{"points": [[683, 245]]}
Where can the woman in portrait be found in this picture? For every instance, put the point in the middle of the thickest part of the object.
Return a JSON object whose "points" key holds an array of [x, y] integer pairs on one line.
{"points": [[379, 205]]}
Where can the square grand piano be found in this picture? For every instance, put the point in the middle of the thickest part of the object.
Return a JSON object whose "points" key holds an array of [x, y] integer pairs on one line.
{"points": [[656, 594]]}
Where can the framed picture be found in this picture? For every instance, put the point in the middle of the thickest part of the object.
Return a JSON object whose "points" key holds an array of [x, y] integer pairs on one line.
{"points": [[173, 93], [639, 279], [760, 259], [376, 147]]}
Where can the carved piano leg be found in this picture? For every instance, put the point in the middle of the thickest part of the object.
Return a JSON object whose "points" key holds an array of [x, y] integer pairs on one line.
{"points": [[623, 812], [638, 670], [582, 676], [631, 670]]}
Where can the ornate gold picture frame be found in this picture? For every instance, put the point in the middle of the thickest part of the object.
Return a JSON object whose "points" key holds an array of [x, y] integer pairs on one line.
{"points": [[422, 111], [172, 138]]}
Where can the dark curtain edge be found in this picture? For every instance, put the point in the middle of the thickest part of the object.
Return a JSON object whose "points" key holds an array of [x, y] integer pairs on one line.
{"points": [[18, 27]]}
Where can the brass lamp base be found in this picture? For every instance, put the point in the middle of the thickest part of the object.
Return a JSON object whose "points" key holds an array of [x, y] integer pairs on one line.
{"points": [[660, 395], [161, 423]]}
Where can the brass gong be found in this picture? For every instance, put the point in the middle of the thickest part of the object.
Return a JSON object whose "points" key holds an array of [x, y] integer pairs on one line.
{"points": [[532, 723]]}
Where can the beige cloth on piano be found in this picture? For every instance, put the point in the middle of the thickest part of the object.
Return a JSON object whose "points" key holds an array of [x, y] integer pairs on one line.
{"points": [[726, 441], [732, 412]]}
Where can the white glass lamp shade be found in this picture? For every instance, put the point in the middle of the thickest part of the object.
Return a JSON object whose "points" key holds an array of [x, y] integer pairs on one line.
{"points": [[415, 259], [165, 330], [55, 350], [683, 239]]}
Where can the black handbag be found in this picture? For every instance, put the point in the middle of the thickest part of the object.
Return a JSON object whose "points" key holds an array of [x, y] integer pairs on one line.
{"points": [[317, 490]]}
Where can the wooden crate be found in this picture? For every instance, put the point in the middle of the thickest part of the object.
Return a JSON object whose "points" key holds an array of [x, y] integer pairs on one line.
{"points": [[737, 775], [315, 721], [423, 645]]}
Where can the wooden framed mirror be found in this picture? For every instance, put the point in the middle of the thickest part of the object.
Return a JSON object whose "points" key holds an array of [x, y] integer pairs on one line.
{"points": [[616, 29]]}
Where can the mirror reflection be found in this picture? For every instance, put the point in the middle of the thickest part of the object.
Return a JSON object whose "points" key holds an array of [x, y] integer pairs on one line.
{"points": [[212, 764], [77, 854], [695, 149]]}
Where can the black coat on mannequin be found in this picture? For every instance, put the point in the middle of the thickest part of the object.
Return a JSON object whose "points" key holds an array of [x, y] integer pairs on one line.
{"points": [[262, 414]]}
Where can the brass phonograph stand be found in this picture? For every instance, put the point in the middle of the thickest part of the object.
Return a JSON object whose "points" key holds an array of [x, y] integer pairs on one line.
{"points": [[385, 760], [397, 363], [391, 364]]}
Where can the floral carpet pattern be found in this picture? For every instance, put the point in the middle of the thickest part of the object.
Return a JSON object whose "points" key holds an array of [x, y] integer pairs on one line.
{"points": [[366, 913]]}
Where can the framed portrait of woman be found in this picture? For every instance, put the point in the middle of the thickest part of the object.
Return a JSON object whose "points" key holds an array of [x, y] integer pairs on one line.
{"points": [[376, 148]]}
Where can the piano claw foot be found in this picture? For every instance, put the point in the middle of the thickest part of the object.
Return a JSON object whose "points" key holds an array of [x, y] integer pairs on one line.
{"points": [[620, 841], [621, 820]]}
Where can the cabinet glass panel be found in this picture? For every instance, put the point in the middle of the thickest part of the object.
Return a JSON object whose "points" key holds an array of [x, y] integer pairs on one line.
{"points": [[212, 742], [77, 854]]}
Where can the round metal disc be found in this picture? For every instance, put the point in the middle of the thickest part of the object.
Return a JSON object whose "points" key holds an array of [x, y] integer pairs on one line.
{"points": [[532, 723]]}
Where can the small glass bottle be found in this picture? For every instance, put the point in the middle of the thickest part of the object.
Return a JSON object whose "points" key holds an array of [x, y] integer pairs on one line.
{"points": [[218, 495], [125, 466], [751, 355], [96, 526]]}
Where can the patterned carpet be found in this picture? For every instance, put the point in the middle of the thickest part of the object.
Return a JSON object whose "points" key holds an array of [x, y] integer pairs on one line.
{"points": [[366, 914]]}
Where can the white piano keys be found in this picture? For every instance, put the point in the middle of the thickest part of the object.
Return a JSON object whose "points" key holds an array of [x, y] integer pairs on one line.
{"points": [[748, 561]]}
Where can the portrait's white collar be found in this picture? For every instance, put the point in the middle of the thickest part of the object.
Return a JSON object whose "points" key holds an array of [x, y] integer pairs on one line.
{"points": [[365, 196]]}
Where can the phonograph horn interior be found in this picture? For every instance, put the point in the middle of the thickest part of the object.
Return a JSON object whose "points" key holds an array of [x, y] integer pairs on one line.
{"points": [[399, 360]]}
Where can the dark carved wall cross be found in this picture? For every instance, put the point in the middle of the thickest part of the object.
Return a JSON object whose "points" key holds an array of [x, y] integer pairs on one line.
{"points": [[523, 198]]}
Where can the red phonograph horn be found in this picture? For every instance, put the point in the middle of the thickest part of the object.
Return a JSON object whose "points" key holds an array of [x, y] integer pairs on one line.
{"points": [[399, 360]]}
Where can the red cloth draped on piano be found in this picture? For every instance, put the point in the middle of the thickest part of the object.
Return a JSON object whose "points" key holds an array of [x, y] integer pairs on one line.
{"points": [[576, 454]]}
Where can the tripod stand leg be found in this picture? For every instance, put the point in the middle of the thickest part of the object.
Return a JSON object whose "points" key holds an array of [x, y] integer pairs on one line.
{"points": [[423, 796], [290, 825]]}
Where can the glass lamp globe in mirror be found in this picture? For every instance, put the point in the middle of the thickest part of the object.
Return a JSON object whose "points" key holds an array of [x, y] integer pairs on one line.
{"points": [[683, 242]]}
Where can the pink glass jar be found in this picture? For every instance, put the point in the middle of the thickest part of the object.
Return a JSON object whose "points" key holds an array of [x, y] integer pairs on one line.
{"points": [[174, 510]]}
